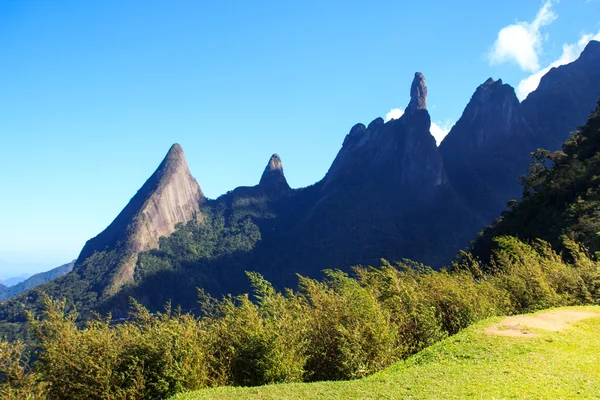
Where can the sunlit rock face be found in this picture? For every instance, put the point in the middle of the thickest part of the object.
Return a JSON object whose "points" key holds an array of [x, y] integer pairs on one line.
{"points": [[273, 177], [170, 196]]}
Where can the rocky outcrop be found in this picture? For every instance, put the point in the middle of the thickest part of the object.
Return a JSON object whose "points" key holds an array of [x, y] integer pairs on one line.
{"points": [[493, 115], [401, 152], [418, 94], [170, 196], [488, 149], [273, 177]]}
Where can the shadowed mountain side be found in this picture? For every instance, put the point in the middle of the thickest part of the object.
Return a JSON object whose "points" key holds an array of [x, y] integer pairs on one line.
{"points": [[489, 147], [386, 195], [565, 97]]}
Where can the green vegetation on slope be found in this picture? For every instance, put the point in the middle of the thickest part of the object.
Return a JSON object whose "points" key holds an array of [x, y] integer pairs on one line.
{"points": [[471, 364], [338, 328]]}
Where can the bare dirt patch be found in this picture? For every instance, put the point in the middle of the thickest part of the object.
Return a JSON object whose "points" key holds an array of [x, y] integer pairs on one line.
{"points": [[520, 325]]}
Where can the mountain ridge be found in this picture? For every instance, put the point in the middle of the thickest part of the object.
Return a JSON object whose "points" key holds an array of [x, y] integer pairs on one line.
{"points": [[390, 192], [35, 280]]}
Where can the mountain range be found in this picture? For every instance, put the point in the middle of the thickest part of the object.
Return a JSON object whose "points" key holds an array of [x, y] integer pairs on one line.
{"points": [[390, 193], [13, 280], [6, 292]]}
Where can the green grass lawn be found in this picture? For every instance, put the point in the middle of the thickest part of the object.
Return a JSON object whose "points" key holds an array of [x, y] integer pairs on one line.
{"points": [[553, 365]]}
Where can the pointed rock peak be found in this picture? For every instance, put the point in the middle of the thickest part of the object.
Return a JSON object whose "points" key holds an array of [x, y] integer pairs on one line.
{"points": [[492, 82], [591, 51], [175, 151], [170, 196], [418, 94], [491, 88], [356, 131], [174, 163], [275, 163], [273, 174], [175, 154]]}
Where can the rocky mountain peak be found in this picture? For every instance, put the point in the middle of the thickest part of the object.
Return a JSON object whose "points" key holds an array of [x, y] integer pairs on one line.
{"points": [[273, 175], [355, 133], [175, 154], [170, 196], [418, 94], [400, 154], [173, 163], [490, 90], [591, 51], [493, 112]]}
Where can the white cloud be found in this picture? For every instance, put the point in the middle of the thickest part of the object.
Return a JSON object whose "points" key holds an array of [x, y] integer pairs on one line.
{"points": [[440, 132], [522, 42], [437, 131], [569, 54], [394, 113]]}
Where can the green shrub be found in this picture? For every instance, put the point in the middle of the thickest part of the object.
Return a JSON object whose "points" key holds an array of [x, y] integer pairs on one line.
{"points": [[147, 358], [351, 335], [536, 277], [412, 314], [256, 343], [341, 327], [17, 381], [459, 299]]}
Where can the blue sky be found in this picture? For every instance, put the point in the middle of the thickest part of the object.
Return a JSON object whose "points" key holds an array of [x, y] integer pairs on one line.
{"points": [[93, 93]]}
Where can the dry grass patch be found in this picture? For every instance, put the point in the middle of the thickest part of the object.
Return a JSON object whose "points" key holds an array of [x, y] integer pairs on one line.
{"points": [[521, 325]]}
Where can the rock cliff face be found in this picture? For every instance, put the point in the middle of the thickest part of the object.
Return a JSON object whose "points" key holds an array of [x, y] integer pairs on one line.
{"points": [[488, 149], [418, 94], [170, 196], [492, 116]]}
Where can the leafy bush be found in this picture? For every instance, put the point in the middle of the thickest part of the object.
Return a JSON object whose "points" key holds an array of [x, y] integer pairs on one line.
{"points": [[255, 344], [536, 277], [342, 327], [350, 334], [17, 381], [146, 358]]}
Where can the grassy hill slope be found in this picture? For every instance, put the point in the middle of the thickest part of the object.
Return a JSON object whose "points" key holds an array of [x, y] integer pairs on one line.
{"points": [[471, 364]]}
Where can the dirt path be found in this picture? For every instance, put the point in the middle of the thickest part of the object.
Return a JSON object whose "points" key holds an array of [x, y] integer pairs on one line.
{"points": [[519, 325]]}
